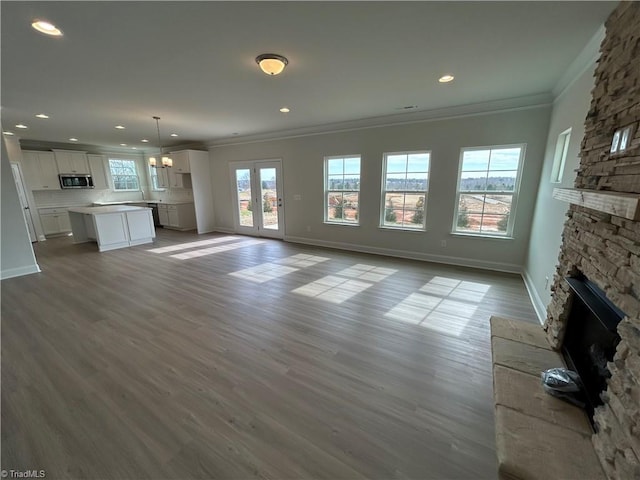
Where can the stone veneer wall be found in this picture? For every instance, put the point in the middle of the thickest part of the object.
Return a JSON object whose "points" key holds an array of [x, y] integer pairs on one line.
{"points": [[606, 248]]}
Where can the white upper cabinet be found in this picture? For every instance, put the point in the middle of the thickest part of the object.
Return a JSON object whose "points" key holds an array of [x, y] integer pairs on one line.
{"points": [[97, 167], [70, 161], [40, 170], [181, 161]]}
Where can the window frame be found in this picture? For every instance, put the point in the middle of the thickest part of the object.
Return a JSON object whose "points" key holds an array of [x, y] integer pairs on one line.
{"points": [[508, 234], [112, 175], [153, 178], [330, 221], [560, 156], [384, 191]]}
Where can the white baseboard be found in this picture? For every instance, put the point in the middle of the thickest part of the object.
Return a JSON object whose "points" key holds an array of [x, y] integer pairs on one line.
{"points": [[538, 304], [458, 261], [20, 271], [230, 231]]}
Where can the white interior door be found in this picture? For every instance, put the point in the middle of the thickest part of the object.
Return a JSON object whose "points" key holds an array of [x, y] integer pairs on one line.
{"points": [[258, 206], [24, 203]]}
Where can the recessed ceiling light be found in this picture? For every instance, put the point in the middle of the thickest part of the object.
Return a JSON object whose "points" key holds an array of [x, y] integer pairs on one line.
{"points": [[20, 125], [8, 133], [174, 134], [46, 28], [285, 110], [144, 140], [73, 139], [123, 144], [134, 148], [119, 127], [446, 78], [42, 115]]}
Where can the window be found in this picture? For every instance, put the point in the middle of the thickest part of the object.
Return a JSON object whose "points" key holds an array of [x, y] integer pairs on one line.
{"points": [[404, 190], [342, 189], [488, 186], [153, 175], [560, 157], [124, 175]]}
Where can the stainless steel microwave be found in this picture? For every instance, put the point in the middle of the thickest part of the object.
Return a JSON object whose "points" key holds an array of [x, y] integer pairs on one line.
{"points": [[68, 180]]}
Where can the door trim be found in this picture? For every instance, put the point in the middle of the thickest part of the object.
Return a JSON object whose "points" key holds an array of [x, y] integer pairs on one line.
{"points": [[254, 165]]}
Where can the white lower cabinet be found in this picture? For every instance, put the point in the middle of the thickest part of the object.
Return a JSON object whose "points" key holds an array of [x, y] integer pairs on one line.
{"points": [[181, 216], [55, 221]]}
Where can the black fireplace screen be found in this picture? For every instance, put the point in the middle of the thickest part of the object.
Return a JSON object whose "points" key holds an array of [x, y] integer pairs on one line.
{"points": [[591, 338]]}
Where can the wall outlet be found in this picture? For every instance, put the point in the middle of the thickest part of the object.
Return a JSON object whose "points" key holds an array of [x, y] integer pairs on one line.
{"points": [[443, 243]]}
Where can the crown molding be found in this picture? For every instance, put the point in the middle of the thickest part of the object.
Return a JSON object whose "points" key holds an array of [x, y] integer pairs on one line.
{"points": [[585, 60], [43, 145], [484, 108]]}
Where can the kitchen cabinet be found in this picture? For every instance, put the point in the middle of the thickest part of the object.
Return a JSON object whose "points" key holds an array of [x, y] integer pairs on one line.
{"points": [[181, 161], [180, 216], [97, 168], [178, 180], [71, 161], [54, 221], [202, 186], [113, 226], [40, 170]]}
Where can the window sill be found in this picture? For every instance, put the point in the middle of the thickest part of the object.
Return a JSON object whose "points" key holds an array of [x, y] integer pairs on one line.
{"points": [[341, 224], [481, 235], [401, 229]]}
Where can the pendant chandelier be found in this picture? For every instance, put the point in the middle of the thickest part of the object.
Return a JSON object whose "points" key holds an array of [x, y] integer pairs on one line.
{"points": [[165, 161]]}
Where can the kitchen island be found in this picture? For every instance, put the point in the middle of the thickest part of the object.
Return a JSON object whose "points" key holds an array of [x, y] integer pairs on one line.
{"points": [[111, 227]]}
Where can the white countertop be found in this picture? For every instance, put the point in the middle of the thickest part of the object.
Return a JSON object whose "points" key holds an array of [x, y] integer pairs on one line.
{"points": [[126, 202], [105, 209]]}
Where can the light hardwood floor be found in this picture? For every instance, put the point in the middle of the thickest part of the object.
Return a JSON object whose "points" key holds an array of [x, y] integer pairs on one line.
{"points": [[249, 358]]}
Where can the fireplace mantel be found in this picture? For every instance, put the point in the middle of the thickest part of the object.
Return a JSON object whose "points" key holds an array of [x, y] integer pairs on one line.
{"points": [[620, 204]]}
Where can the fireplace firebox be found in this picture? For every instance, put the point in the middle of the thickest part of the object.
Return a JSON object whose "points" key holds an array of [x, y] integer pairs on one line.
{"points": [[591, 338]]}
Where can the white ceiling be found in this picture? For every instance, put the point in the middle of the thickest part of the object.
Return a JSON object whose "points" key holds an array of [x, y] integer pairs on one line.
{"points": [[192, 63]]}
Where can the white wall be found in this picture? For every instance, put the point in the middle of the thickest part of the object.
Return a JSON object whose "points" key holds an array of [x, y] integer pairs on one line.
{"points": [[303, 175], [569, 111], [17, 256]]}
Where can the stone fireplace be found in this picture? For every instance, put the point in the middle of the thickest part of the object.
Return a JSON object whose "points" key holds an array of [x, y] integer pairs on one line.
{"points": [[601, 240]]}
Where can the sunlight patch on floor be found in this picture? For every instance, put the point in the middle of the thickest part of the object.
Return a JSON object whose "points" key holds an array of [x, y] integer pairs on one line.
{"points": [[333, 289], [302, 260], [443, 304], [200, 243], [462, 290], [264, 272], [370, 273], [218, 249]]}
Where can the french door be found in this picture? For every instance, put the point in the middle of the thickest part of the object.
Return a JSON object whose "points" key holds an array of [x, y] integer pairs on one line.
{"points": [[258, 206]]}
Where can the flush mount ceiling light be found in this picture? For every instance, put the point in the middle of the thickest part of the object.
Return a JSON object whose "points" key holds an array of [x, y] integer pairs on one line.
{"points": [[73, 139], [42, 115], [446, 78], [119, 127], [144, 140], [20, 125], [7, 133], [164, 161], [271, 64], [47, 28], [173, 135], [285, 110]]}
